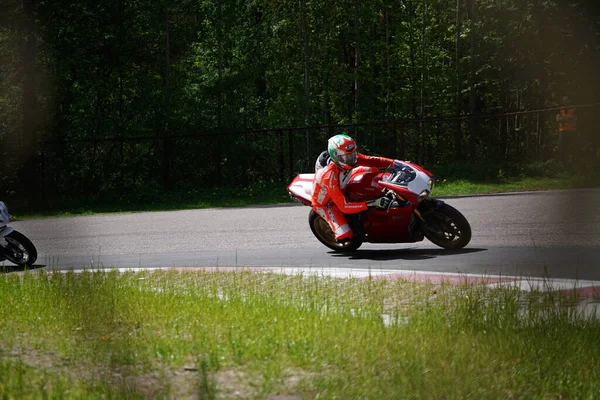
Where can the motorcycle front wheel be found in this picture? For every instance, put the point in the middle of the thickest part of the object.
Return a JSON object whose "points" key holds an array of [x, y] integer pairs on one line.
{"points": [[447, 227], [320, 228], [19, 249]]}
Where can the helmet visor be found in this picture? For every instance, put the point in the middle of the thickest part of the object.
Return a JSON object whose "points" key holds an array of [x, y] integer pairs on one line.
{"points": [[348, 159]]}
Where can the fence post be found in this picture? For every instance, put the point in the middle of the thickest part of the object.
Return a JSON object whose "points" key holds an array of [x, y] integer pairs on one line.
{"points": [[545, 153], [218, 158], [395, 138], [402, 142], [281, 157], [290, 155], [527, 138], [121, 162], [499, 140], [43, 167], [458, 139]]}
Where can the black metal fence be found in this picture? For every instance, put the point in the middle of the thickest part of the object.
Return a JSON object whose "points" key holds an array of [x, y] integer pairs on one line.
{"points": [[93, 167]]}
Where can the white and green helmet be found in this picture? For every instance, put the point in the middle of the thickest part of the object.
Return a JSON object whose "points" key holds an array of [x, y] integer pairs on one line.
{"points": [[343, 152]]}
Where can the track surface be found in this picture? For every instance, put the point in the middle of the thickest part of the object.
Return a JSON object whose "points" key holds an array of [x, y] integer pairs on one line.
{"points": [[554, 233]]}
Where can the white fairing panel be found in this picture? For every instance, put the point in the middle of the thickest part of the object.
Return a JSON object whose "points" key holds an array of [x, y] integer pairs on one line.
{"points": [[4, 215], [419, 183], [302, 186]]}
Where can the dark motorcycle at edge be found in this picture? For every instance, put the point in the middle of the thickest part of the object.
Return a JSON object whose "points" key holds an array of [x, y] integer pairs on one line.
{"points": [[14, 246]]}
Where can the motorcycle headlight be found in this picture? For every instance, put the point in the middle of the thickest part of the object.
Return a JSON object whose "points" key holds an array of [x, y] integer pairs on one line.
{"points": [[423, 195]]}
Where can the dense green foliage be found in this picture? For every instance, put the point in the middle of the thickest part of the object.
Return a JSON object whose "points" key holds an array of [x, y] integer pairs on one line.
{"points": [[85, 71]]}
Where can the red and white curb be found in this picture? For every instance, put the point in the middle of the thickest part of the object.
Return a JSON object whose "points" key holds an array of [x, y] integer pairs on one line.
{"points": [[585, 292], [585, 289]]}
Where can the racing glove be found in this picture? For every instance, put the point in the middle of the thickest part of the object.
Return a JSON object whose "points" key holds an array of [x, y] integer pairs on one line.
{"points": [[381, 203]]}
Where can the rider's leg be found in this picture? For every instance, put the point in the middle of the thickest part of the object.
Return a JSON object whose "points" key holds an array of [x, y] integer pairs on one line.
{"points": [[336, 220], [338, 223]]}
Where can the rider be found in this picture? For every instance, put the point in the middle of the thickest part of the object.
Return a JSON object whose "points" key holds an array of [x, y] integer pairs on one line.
{"points": [[328, 199]]}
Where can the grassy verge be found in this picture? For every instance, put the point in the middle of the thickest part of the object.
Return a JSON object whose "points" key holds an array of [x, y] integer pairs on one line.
{"points": [[459, 187], [459, 179], [158, 200], [250, 335], [465, 179]]}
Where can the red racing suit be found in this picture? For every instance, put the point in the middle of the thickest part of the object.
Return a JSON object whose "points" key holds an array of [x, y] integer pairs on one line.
{"points": [[328, 199]]}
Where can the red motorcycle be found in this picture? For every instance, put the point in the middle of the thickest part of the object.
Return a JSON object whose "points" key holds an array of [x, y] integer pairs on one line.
{"points": [[411, 216]]}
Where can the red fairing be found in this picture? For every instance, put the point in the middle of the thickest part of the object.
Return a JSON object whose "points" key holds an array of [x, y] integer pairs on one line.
{"points": [[364, 184], [390, 226]]}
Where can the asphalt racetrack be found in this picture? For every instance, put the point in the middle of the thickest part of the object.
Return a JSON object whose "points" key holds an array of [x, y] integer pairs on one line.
{"points": [[552, 233]]}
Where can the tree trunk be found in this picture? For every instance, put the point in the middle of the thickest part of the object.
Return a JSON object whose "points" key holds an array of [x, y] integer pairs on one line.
{"points": [[306, 59], [121, 105], [413, 87], [25, 152], [356, 56], [413, 90], [218, 155], [167, 141], [423, 79], [458, 131], [473, 93], [388, 91]]}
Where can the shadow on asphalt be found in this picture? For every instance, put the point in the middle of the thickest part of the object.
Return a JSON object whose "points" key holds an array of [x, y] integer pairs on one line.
{"points": [[6, 269], [403, 254]]}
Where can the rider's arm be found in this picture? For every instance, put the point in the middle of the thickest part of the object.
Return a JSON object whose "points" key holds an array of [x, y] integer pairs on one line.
{"points": [[322, 160], [337, 196], [373, 161]]}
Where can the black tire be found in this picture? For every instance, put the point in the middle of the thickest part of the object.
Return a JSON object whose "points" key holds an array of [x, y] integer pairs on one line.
{"points": [[320, 228], [446, 227], [19, 250]]}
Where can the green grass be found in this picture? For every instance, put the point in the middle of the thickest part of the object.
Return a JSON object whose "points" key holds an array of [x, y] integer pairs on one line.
{"points": [[252, 335], [460, 187], [453, 179], [468, 179], [157, 200]]}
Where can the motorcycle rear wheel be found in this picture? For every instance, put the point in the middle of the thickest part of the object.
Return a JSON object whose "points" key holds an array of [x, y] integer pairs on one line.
{"points": [[322, 231], [447, 228], [19, 250]]}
